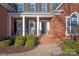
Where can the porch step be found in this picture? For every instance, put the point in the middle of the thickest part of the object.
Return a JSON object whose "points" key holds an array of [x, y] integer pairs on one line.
{"points": [[48, 39]]}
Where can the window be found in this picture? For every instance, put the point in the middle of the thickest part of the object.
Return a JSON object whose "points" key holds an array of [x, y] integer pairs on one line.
{"points": [[20, 7], [72, 25], [43, 7], [32, 7]]}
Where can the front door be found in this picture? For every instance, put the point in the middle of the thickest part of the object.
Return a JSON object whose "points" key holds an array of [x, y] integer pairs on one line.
{"points": [[32, 27], [44, 27]]}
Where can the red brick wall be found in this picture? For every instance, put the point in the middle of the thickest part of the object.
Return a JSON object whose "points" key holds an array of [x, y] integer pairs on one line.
{"points": [[58, 22], [49, 7], [26, 5], [3, 23], [58, 25]]}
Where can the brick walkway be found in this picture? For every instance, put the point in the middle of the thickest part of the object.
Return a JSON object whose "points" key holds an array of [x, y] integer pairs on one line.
{"points": [[41, 50]]}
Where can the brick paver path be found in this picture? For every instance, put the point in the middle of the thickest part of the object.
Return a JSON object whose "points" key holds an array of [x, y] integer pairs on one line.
{"points": [[40, 50]]}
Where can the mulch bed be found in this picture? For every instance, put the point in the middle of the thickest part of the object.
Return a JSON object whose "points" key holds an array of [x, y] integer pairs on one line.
{"points": [[14, 49]]}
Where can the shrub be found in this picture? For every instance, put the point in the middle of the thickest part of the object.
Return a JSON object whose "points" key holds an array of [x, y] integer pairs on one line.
{"points": [[70, 42], [70, 45], [5, 43], [66, 48], [76, 47], [30, 42], [19, 40], [12, 39]]}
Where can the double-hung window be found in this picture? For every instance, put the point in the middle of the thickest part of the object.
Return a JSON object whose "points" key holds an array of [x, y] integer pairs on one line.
{"points": [[72, 24], [20, 7], [32, 7], [43, 7]]}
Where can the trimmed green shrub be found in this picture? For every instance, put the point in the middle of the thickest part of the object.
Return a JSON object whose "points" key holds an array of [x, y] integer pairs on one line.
{"points": [[66, 48], [19, 40], [70, 46], [69, 42], [12, 39], [5, 43], [76, 47], [30, 42]]}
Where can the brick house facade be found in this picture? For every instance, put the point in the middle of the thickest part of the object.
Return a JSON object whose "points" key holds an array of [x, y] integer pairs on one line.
{"points": [[53, 22], [58, 24], [4, 10], [59, 21]]}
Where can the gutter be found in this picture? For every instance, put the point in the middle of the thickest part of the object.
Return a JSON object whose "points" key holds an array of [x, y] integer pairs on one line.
{"points": [[59, 6]]}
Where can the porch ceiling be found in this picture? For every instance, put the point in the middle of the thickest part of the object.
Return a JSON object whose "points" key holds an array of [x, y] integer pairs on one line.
{"points": [[33, 18], [45, 18]]}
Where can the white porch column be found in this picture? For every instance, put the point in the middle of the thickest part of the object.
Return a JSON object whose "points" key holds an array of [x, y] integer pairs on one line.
{"points": [[47, 28], [9, 31], [38, 24], [23, 25]]}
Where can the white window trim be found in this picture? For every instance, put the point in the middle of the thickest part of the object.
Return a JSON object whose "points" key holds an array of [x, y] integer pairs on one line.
{"points": [[77, 14]]}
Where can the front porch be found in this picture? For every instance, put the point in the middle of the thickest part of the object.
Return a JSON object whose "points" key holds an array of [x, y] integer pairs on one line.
{"points": [[29, 24]]}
